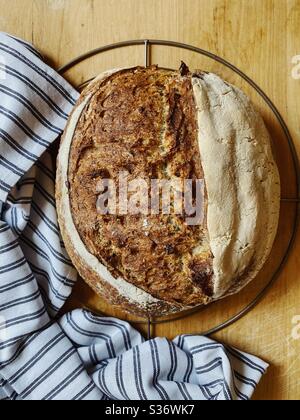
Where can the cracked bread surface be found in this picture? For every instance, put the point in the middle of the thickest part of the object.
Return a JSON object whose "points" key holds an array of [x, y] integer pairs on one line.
{"points": [[143, 122]]}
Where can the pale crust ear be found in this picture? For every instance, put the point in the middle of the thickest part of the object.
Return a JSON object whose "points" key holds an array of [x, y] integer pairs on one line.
{"points": [[242, 181]]}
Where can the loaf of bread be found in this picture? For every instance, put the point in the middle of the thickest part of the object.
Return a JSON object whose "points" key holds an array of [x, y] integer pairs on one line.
{"points": [[150, 123]]}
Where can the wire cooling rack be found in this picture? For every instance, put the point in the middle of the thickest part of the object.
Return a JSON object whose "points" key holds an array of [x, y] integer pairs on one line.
{"points": [[295, 200]]}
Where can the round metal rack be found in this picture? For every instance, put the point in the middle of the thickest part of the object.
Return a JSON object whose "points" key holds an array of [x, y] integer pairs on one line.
{"points": [[295, 200]]}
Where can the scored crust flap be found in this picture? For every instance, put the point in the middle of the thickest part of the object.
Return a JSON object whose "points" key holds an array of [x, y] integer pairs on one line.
{"points": [[244, 200]]}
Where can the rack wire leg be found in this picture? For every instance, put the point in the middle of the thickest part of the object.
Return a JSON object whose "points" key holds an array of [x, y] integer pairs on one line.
{"points": [[147, 53]]}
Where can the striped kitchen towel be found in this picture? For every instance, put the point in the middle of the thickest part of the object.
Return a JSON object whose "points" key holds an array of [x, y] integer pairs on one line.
{"points": [[81, 356]]}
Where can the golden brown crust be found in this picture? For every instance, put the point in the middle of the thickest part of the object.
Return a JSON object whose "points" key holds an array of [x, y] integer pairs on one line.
{"points": [[141, 121], [137, 303]]}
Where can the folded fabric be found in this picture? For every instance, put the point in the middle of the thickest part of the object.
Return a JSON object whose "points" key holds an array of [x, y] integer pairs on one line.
{"points": [[82, 356]]}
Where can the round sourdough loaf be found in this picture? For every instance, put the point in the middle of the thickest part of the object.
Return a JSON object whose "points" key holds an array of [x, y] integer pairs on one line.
{"points": [[150, 123]]}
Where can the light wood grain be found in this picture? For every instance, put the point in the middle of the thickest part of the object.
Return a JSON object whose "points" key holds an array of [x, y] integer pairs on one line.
{"points": [[258, 36]]}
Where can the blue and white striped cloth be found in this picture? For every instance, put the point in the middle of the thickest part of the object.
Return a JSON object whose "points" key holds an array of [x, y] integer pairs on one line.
{"points": [[81, 356]]}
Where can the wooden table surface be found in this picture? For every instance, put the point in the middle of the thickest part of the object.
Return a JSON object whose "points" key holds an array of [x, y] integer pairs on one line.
{"points": [[261, 37]]}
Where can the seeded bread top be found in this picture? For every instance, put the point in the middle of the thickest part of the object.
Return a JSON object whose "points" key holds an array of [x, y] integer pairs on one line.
{"points": [[142, 122]]}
